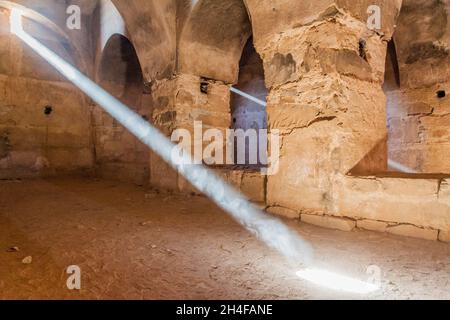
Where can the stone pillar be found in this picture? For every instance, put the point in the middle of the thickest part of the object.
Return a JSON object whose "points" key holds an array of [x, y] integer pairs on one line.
{"points": [[326, 98], [179, 102], [164, 118]]}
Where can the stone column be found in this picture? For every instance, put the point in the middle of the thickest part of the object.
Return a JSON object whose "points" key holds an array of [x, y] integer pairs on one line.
{"points": [[179, 102], [326, 98]]}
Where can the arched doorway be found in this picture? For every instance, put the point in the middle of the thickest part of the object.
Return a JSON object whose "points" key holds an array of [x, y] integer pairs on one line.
{"points": [[119, 153], [247, 114], [217, 45], [120, 71], [214, 49]]}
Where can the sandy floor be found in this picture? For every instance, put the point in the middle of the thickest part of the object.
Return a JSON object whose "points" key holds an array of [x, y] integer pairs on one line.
{"points": [[133, 243]]}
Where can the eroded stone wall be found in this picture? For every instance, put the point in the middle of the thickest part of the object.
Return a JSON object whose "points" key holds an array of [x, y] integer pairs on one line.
{"points": [[408, 206], [419, 128], [44, 121], [326, 98]]}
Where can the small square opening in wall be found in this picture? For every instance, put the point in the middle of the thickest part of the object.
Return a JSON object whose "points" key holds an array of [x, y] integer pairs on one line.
{"points": [[48, 110], [441, 94], [204, 87]]}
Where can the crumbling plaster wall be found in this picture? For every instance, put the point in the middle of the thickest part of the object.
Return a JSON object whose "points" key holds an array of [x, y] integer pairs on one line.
{"points": [[272, 23], [31, 142]]}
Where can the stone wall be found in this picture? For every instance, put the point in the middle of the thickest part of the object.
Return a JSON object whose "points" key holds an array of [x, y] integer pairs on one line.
{"points": [[119, 155], [325, 72], [415, 207], [397, 204], [419, 128], [178, 103], [32, 142]]}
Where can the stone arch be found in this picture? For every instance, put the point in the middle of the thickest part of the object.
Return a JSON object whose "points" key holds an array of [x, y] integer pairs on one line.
{"points": [[45, 120], [215, 30], [120, 70], [246, 114], [49, 33], [422, 39], [119, 154], [110, 22], [216, 43], [149, 27]]}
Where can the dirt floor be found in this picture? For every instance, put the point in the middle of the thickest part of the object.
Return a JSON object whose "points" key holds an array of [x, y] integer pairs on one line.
{"points": [[132, 243]]}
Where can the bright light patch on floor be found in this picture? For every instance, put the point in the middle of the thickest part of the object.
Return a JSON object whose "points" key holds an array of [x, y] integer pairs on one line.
{"points": [[268, 229], [336, 282]]}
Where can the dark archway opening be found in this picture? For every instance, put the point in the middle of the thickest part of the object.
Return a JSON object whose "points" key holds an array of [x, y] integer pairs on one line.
{"points": [[246, 114], [119, 154], [392, 73], [120, 71]]}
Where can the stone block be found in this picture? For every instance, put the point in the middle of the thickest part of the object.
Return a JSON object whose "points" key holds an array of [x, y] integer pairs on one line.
{"points": [[284, 212], [413, 232], [253, 186], [410, 187], [337, 223], [419, 108], [364, 185], [372, 225], [444, 236]]}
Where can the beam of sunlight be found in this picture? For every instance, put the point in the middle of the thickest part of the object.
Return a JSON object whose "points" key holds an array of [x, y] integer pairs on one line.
{"points": [[268, 229], [336, 282], [247, 96], [400, 167]]}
